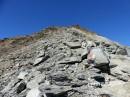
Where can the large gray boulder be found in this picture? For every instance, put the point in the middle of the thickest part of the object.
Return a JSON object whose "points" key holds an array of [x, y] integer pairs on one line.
{"points": [[98, 56]]}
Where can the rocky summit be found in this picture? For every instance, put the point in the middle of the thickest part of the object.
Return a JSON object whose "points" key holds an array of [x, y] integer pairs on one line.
{"points": [[64, 62]]}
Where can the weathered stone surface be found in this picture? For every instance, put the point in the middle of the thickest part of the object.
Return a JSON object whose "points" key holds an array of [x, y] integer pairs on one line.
{"points": [[59, 76], [34, 83], [40, 60], [98, 56], [70, 60], [34, 93], [72, 69], [81, 76], [128, 51], [84, 53], [22, 75], [41, 53], [55, 91], [73, 45], [90, 44], [121, 51]]}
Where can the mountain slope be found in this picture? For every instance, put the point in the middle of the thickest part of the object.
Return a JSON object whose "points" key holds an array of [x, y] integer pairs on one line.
{"points": [[64, 62]]}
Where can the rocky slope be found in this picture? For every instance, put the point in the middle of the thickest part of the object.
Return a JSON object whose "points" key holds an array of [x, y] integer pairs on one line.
{"points": [[65, 62]]}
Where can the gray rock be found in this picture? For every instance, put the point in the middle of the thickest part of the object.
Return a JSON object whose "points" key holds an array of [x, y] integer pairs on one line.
{"points": [[90, 44], [70, 60], [121, 51], [116, 72], [73, 45], [21, 87], [35, 82], [22, 75], [81, 76], [128, 51], [84, 53], [59, 76], [40, 60], [98, 56], [34, 93], [41, 54], [55, 91]]}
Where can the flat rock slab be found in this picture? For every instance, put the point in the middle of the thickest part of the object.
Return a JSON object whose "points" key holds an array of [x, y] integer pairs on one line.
{"points": [[73, 45], [70, 60]]}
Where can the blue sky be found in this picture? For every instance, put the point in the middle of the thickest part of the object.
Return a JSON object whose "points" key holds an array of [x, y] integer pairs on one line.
{"points": [[109, 18]]}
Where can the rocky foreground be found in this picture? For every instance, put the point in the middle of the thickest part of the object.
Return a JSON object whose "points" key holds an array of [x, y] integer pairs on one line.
{"points": [[67, 62]]}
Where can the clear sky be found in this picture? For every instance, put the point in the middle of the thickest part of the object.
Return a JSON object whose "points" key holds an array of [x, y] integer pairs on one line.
{"points": [[109, 18]]}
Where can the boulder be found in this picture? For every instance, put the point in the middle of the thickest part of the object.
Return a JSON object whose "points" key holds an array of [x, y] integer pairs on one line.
{"points": [[70, 60], [98, 56], [73, 45]]}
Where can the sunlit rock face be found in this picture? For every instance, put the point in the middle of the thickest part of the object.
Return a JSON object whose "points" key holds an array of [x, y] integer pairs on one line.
{"points": [[65, 62]]}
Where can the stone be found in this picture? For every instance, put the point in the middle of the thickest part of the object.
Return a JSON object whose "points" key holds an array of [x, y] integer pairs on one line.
{"points": [[73, 45], [41, 54], [55, 91], [84, 53], [128, 51], [81, 76], [116, 72], [98, 56], [22, 75], [84, 44], [34, 83], [70, 60], [91, 44], [21, 87], [59, 76], [40, 60], [121, 51], [126, 69], [34, 93]]}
